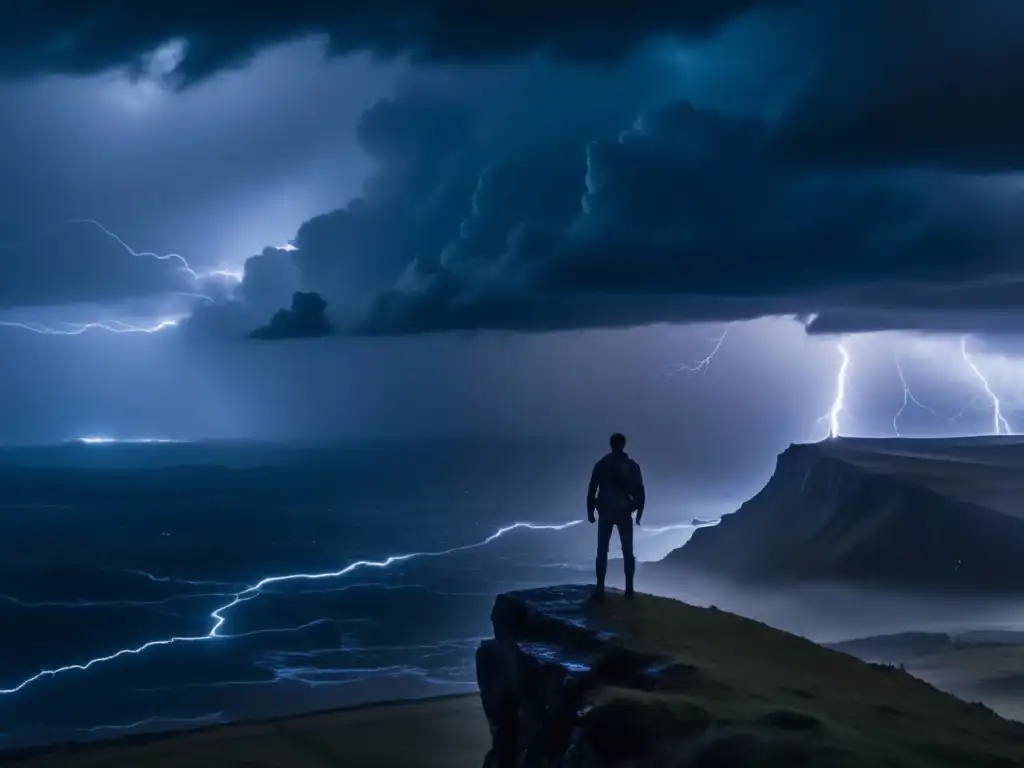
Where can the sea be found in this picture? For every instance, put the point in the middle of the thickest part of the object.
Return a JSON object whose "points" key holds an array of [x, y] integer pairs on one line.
{"points": [[155, 586]]}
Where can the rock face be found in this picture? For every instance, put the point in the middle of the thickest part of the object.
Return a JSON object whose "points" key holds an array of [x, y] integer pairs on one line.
{"points": [[656, 683], [928, 515]]}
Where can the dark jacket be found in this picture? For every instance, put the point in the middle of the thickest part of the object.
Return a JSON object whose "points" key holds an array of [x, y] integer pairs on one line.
{"points": [[616, 485]]}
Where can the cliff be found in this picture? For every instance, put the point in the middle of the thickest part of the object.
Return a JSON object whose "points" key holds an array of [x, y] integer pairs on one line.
{"points": [[916, 514], [659, 683]]}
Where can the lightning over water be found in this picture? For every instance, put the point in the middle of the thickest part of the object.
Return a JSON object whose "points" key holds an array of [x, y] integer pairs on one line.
{"points": [[219, 616], [213, 717]]}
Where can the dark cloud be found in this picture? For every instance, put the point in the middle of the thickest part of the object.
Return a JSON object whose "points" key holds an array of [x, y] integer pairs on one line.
{"points": [[923, 82], [84, 38], [422, 149], [451, 155], [78, 263], [500, 203], [691, 215], [994, 303], [306, 319], [269, 281]]}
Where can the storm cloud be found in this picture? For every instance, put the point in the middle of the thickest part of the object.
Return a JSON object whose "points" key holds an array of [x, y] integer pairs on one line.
{"points": [[305, 319], [81, 39], [687, 215], [930, 83], [431, 170]]}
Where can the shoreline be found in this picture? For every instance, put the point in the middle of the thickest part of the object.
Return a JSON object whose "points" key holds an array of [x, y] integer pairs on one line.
{"points": [[75, 748]]}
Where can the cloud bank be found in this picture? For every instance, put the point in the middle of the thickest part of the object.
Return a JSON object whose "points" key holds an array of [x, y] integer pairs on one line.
{"points": [[554, 177], [72, 38]]}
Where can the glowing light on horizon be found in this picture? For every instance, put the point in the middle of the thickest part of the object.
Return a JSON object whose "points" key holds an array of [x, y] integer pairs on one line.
{"points": [[219, 617], [104, 440]]}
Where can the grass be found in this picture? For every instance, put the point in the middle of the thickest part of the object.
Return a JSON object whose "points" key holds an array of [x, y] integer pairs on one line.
{"points": [[447, 732], [758, 680]]}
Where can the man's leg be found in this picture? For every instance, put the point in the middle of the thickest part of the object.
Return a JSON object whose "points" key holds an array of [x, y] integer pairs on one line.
{"points": [[625, 526], [605, 523]]}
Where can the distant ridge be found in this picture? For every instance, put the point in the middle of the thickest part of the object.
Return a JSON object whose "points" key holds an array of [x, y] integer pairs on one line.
{"points": [[922, 514]]}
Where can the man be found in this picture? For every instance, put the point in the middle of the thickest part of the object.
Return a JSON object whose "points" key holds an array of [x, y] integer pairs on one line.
{"points": [[616, 490]]}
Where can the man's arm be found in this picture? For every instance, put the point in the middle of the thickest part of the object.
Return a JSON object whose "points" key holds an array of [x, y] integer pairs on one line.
{"points": [[595, 481], [640, 494]]}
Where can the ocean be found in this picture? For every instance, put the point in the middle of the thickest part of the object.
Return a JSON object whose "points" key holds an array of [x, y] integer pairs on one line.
{"points": [[130, 575]]}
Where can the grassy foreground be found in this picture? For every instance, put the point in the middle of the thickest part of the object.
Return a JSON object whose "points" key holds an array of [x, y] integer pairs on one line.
{"points": [[777, 698], [448, 732]]}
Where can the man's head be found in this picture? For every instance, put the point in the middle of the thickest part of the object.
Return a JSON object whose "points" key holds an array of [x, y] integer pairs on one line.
{"points": [[617, 442]]}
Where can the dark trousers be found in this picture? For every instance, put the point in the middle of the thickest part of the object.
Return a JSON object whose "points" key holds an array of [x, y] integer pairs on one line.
{"points": [[606, 523]]}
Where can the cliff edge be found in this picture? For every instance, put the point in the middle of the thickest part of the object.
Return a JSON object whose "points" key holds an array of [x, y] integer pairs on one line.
{"points": [[929, 515], [657, 682]]}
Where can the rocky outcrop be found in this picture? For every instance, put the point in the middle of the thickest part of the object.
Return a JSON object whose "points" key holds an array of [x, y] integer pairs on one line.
{"points": [[871, 513], [655, 682]]}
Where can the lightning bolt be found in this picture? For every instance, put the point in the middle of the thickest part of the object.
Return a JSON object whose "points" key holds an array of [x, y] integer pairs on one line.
{"points": [[1000, 426], [120, 326], [839, 403], [909, 397], [219, 617], [196, 276], [213, 717], [77, 329], [140, 254], [701, 366]]}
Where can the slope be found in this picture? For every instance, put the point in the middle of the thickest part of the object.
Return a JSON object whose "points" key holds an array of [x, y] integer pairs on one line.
{"points": [[896, 513]]}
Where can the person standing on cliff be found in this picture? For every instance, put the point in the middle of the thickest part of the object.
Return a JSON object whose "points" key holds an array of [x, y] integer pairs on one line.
{"points": [[616, 491]]}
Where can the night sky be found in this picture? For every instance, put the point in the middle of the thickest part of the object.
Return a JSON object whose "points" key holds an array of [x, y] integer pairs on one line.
{"points": [[523, 219]]}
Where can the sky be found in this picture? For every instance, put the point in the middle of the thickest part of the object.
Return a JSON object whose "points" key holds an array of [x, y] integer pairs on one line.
{"points": [[412, 219]]}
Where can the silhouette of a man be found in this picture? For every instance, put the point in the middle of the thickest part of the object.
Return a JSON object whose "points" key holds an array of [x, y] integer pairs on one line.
{"points": [[616, 491]]}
